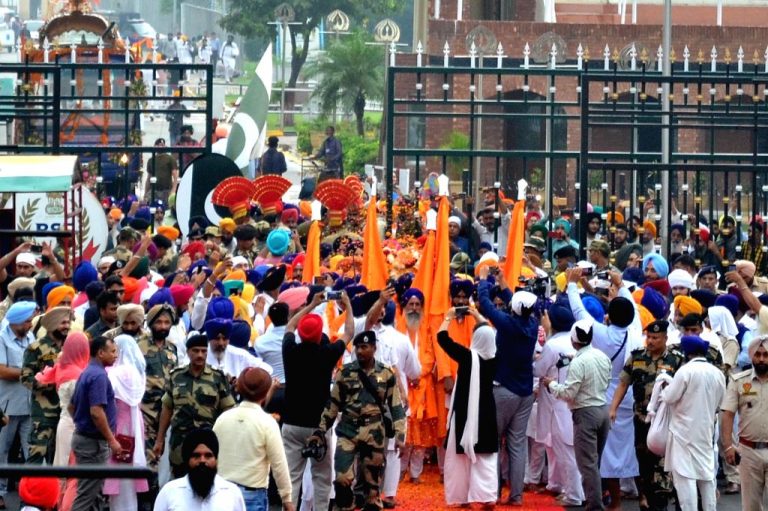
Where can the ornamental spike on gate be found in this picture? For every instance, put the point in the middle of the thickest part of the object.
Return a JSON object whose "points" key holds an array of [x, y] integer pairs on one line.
{"points": [[633, 57], [607, 58], [740, 60], [446, 54], [660, 59], [579, 55], [713, 59], [686, 57], [499, 55], [419, 52], [553, 56], [526, 56]]}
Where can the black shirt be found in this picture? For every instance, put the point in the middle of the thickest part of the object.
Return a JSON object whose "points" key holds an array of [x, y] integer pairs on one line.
{"points": [[308, 375]]}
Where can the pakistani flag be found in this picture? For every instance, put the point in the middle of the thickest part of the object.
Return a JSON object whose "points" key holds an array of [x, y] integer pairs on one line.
{"points": [[250, 121]]}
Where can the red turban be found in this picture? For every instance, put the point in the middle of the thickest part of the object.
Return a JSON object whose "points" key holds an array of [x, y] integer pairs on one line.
{"points": [[181, 293], [310, 328], [196, 247], [289, 214], [42, 492]]}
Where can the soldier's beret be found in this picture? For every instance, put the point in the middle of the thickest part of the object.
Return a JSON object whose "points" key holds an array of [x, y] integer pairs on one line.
{"points": [[657, 327], [197, 340], [367, 337]]}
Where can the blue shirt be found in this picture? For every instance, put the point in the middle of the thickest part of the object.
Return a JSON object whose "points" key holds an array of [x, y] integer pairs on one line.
{"points": [[14, 397], [93, 389], [269, 346], [515, 341]]}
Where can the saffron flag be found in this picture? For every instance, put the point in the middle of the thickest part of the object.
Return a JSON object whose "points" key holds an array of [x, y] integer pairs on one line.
{"points": [[514, 258], [312, 259], [374, 273]]}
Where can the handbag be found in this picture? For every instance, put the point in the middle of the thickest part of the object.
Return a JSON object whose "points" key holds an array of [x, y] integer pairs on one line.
{"points": [[386, 415], [658, 417], [128, 443]]}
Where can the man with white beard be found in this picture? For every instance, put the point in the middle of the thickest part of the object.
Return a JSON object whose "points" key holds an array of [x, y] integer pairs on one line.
{"points": [[395, 346], [555, 424], [231, 360]]}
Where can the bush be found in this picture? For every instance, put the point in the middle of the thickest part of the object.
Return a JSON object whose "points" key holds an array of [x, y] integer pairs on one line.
{"points": [[358, 152], [254, 48], [303, 138]]}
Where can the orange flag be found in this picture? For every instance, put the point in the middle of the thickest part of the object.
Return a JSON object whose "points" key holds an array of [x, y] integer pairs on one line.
{"points": [[426, 272], [440, 301], [374, 273], [514, 263], [312, 259]]}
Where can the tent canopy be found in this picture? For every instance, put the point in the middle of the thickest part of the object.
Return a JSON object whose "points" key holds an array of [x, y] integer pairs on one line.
{"points": [[35, 173]]}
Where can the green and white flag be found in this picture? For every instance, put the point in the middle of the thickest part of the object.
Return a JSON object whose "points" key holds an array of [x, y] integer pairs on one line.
{"points": [[249, 125]]}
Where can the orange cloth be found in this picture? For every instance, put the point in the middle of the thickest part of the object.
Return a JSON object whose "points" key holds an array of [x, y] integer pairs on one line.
{"points": [[312, 258], [374, 274], [169, 232], [58, 294], [650, 227], [687, 305], [514, 261]]}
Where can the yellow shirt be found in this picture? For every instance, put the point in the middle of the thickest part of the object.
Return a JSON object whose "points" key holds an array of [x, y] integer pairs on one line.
{"points": [[249, 443]]}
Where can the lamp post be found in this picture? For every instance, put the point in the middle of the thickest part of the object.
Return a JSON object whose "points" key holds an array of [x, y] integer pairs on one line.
{"points": [[284, 14], [124, 163]]}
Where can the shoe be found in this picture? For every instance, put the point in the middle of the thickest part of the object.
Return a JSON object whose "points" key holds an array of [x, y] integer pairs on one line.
{"points": [[732, 488], [566, 502], [531, 487], [415, 480], [514, 502], [388, 503]]}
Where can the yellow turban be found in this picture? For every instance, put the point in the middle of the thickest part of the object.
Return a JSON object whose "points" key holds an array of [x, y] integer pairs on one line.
{"points": [[227, 225], [58, 295], [249, 292], [687, 305], [241, 309], [335, 260]]}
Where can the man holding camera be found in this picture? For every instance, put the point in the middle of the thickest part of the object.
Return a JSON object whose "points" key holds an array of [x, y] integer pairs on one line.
{"points": [[308, 363]]}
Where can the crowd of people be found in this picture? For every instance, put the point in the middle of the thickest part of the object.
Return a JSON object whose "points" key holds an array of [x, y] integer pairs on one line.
{"points": [[261, 352]]}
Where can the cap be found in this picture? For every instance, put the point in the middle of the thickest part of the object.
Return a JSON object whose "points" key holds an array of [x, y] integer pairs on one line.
{"points": [[600, 246], [657, 327], [536, 243], [367, 337]]}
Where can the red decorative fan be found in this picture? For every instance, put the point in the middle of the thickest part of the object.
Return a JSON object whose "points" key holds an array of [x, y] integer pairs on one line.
{"points": [[353, 182], [336, 196], [269, 190], [235, 193]]}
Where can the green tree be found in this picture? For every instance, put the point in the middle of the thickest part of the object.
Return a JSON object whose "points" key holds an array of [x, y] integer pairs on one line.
{"points": [[349, 73], [249, 18]]}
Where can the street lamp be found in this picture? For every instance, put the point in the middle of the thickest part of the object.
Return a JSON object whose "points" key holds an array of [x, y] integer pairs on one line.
{"points": [[124, 163]]}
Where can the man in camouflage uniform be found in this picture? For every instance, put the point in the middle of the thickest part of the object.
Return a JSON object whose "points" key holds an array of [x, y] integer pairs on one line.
{"points": [[161, 358], [194, 398], [45, 409], [246, 242], [361, 430], [125, 241], [640, 373]]}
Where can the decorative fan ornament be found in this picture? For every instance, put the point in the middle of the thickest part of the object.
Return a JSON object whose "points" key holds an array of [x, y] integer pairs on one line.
{"points": [[270, 189], [353, 182], [235, 193], [337, 197]]}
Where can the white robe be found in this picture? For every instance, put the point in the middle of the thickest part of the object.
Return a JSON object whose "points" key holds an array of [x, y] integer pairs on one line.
{"points": [[235, 360], [554, 417], [693, 398]]}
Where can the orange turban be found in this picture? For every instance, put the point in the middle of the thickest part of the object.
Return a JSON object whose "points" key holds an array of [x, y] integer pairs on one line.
{"points": [[609, 218], [637, 295], [305, 207], [687, 305], [646, 318], [58, 295], [169, 232], [650, 227], [236, 275], [131, 286], [227, 225], [115, 214]]}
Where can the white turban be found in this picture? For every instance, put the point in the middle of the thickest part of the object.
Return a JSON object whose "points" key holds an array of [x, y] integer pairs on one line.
{"points": [[680, 278], [521, 300], [454, 220], [755, 344]]}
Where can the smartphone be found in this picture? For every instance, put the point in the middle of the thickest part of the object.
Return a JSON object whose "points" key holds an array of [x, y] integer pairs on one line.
{"points": [[462, 311], [36, 249], [333, 295], [493, 270], [319, 281], [732, 267], [587, 272]]}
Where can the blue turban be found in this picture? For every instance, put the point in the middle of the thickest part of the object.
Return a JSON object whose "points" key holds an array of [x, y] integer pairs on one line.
{"points": [[461, 285], [20, 312], [485, 245], [730, 302], [94, 289], [659, 264], [594, 307], [565, 224], [655, 303], [389, 313], [289, 284], [84, 273], [693, 344], [288, 258], [705, 297], [278, 241], [343, 283], [215, 327], [634, 275], [355, 290], [198, 266], [403, 283], [253, 277], [220, 307], [361, 304], [410, 294], [240, 334], [326, 249], [561, 316], [162, 295]]}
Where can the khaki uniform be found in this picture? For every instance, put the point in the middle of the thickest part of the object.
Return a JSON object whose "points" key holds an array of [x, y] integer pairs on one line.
{"points": [[360, 431], [44, 408], [196, 402], [640, 373], [161, 360], [120, 253], [251, 255], [748, 396]]}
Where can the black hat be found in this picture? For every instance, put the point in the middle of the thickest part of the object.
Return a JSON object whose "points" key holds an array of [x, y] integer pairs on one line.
{"points": [[197, 340], [272, 279], [566, 251], [621, 312], [116, 266], [367, 337], [657, 326], [161, 241], [361, 304]]}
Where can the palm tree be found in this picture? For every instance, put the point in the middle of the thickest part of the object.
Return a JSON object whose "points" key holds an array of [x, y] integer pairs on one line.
{"points": [[349, 73]]}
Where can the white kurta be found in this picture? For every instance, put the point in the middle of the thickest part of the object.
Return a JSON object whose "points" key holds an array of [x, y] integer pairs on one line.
{"points": [[554, 417], [235, 360], [693, 397]]}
